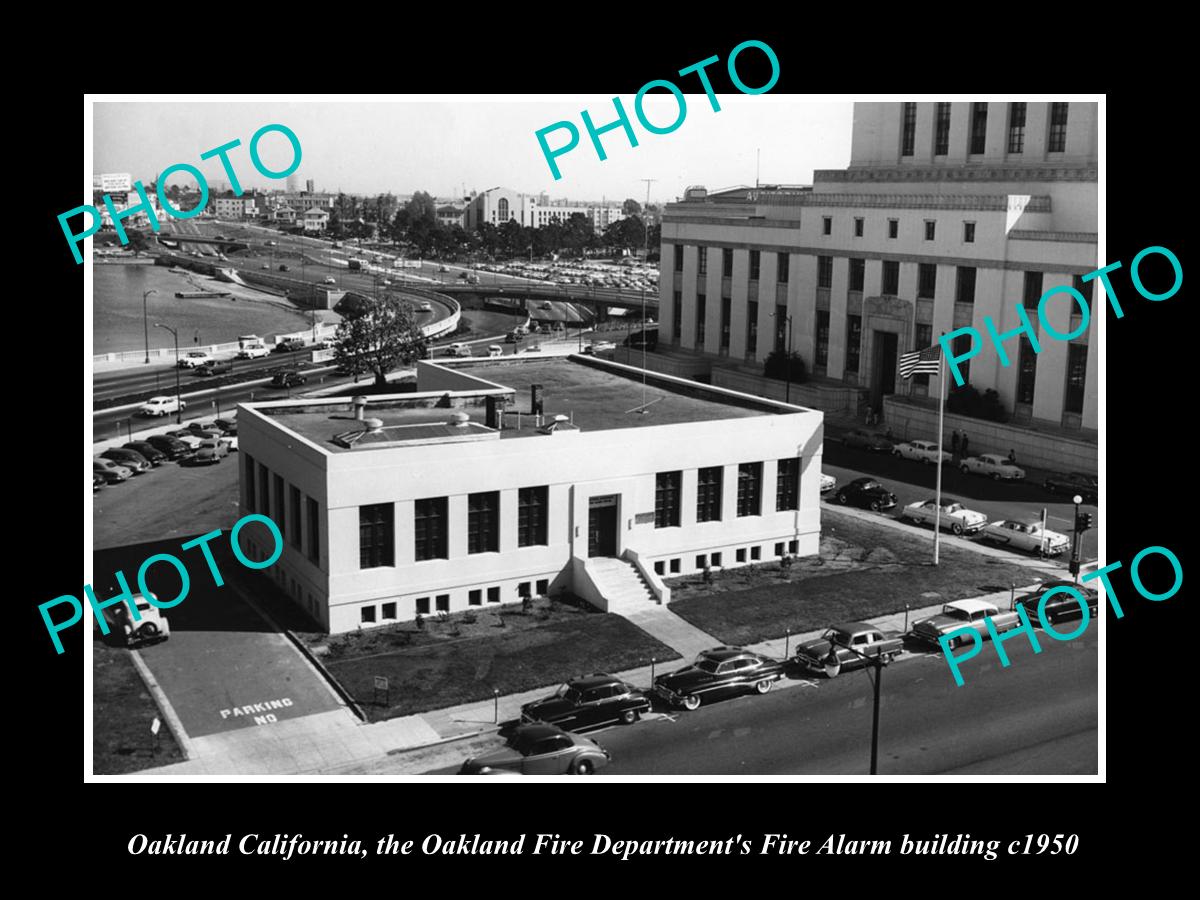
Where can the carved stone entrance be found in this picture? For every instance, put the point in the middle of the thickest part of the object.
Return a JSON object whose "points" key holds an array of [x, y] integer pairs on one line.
{"points": [[887, 332]]}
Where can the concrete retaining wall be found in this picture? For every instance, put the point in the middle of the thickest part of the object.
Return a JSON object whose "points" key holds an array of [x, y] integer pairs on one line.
{"points": [[827, 398]]}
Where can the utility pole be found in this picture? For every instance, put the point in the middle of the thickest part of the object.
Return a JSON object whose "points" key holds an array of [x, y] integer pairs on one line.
{"points": [[146, 322], [645, 260]]}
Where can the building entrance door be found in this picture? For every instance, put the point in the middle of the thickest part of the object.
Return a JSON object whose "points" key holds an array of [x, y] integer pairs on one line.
{"points": [[883, 368], [602, 526]]}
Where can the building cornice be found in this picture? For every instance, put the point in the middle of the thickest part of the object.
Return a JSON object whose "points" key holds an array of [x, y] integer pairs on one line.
{"points": [[1034, 172], [1069, 237]]}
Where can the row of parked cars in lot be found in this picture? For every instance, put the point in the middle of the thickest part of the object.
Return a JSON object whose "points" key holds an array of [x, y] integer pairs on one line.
{"points": [[547, 742], [195, 444]]}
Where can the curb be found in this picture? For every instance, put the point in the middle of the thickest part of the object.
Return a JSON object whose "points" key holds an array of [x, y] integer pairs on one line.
{"points": [[164, 706], [450, 740]]}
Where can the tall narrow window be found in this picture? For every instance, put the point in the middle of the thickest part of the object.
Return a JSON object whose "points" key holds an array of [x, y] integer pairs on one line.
{"points": [[822, 337], [701, 260], [858, 271], [250, 498], [264, 490], [941, 140], [1026, 372], [1033, 290], [978, 127], [677, 315], [483, 522], [752, 328], [531, 516], [908, 132], [314, 531], [666, 499], [430, 528], [926, 280], [787, 484], [708, 494], [1076, 377], [891, 277], [701, 302], [827, 225], [922, 338], [679, 257], [893, 228], [749, 493], [824, 271], [961, 345], [930, 229], [726, 314], [964, 289], [858, 226], [376, 535], [279, 515], [755, 263], [968, 232], [1057, 140], [782, 275], [294, 514], [726, 262], [853, 342], [1016, 128]]}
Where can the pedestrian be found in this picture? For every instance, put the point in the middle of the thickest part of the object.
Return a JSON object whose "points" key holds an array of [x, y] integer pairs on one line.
{"points": [[1012, 456], [964, 444], [954, 443]]}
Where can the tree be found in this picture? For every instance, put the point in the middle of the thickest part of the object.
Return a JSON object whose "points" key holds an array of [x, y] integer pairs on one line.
{"points": [[631, 207], [778, 364], [378, 336]]}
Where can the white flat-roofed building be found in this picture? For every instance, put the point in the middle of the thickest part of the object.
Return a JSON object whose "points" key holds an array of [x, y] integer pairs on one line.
{"points": [[419, 503], [947, 213]]}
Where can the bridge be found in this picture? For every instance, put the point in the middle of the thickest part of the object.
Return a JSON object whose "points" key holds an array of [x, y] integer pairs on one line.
{"points": [[570, 293], [190, 239]]}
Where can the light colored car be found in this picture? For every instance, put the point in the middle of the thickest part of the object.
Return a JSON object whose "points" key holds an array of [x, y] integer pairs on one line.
{"points": [[254, 351], [495, 350], [425, 306], [922, 451], [151, 626], [217, 445], [459, 350], [110, 471], [539, 749], [195, 359], [963, 614], [193, 441], [230, 441], [161, 406], [1026, 534], [993, 466], [955, 517], [329, 279], [828, 483]]}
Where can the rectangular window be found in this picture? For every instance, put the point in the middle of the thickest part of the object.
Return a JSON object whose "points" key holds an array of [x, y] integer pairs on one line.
{"points": [[678, 257], [1026, 372], [701, 260], [294, 514], [1076, 377], [543, 587], [968, 232], [853, 342], [314, 531], [422, 606], [494, 594], [926, 280], [389, 610], [1057, 141], [749, 492], [858, 271], [475, 597], [701, 561], [908, 137], [824, 271], [725, 319], [752, 328], [666, 499], [930, 229], [376, 535], [741, 554], [826, 224], [793, 547], [893, 228], [891, 277], [726, 262], [787, 484], [531, 516], [782, 275], [923, 337], [755, 553], [677, 315], [525, 589], [443, 603], [1016, 128], [858, 227], [701, 303], [716, 559], [961, 345], [249, 483], [483, 522], [1033, 290], [429, 527], [675, 566], [755, 264], [941, 139], [368, 614], [280, 518], [660, 568], [964, 288], [779, 549], [708, 494], [978, 128], [822, 337]]}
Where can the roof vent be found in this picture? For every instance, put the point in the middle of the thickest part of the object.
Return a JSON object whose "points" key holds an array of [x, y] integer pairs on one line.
{"points": [[373, 425], [359, 403], [460, 419], [561, 425]]}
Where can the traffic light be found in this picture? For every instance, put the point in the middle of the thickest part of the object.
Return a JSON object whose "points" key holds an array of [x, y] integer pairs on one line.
{"points": [[1073, 567], [1084, 522]]}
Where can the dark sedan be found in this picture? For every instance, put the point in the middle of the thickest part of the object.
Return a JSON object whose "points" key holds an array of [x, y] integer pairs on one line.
{"points": [[716, 673], [208, 430], [130, 459], [868, 440], [288, 346], [540, 750], [1061, 607], [288, 379], [866, 493], [97, 481], [172, 447], [229, 426], [589, 702], [1072, 483], [849, 637], [155, 456]]}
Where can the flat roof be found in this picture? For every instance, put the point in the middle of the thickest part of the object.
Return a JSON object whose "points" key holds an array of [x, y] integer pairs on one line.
{"points": [[593, 395]]}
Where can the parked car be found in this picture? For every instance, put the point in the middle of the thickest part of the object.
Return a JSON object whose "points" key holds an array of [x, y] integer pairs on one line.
{"points": [[963, 614], [1071, 483], [287, 379], [495, 350], [954, 516], [217, 445], [149, 452], [860, 636], [425, 306], [215, 367], [290, 345], [992, 465], [329, 279], [161, 406], [130, 459], [589, 702], [541, 750], [443, 268], [194, 359], [97, 481], [1061, 607], [230, 441], [868, 440], [283, 268], [225, 426], [171, 446], [150, 627], [866, 493], [206, 455], [110, 471], [254, 351], [458, 350], [187, 437], [828, 483], [1027, 534], [922, 451], [719, 672]]}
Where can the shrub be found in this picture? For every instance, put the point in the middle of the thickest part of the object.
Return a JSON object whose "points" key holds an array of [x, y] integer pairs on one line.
{"points": [[968, 401], [778, 363]]}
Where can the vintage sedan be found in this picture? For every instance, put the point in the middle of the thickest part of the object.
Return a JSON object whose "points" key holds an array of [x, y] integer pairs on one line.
{"points": [[954, 516], [130, 459], [963, 614], [867, 493], [720, 672], [1072, 483], [922, 451], [1060, 607], [868, 440], [111, 472], [993, 466], [828, 483], [1027, 534], [149, 627], [541, 750], [589, 702], [861, 636]]}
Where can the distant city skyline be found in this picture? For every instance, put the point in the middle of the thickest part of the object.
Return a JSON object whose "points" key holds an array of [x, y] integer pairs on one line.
{"points": [[444, 146]]}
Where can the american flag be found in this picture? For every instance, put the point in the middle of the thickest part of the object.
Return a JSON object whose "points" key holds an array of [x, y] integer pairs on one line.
{"points": [[920, 361]]}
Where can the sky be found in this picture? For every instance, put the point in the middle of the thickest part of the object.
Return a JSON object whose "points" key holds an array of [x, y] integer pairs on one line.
{"points": [[405, 144]]}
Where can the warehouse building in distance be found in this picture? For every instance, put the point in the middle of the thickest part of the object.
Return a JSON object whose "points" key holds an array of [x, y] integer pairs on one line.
{"points": [[501, 480]]}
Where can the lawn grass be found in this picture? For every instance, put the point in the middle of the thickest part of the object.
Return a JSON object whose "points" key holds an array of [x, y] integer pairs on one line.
{"points": [[864, 570], [122, 710], [451, 662]]}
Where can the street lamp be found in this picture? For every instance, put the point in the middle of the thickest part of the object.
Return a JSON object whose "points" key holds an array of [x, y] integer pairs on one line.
{"points": [[833, 665], [146, 322], [787, 359], [178, 402], [1080, 527]]}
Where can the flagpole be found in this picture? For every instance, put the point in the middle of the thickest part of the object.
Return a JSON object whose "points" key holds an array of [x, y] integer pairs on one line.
{"points": [[937, 518]]}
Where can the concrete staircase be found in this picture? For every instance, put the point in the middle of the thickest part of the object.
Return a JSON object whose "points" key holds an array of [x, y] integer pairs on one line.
{"points": [[621, 584]]}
